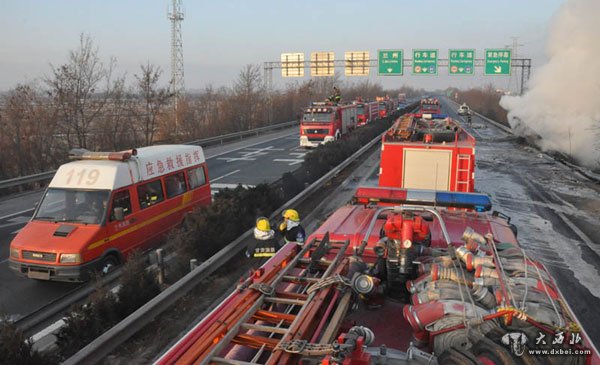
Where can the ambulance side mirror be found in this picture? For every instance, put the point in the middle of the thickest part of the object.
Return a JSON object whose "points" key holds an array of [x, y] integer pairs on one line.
{"points": [[118, 214]]}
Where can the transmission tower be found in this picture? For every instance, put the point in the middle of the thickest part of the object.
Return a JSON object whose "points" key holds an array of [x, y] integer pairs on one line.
{"points": [[177, 81]]}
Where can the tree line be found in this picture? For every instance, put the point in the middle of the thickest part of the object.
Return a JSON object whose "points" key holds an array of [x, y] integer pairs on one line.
{"points": [[85, 103]]}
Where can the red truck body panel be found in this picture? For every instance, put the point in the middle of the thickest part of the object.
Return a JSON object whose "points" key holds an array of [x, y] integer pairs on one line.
{"points": [[422, 153]]}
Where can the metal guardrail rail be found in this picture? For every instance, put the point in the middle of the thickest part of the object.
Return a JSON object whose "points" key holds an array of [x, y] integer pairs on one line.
{"points": [[22, 180], [121, 332]]}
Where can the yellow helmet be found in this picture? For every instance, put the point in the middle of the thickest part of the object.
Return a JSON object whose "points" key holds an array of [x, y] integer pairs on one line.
{"points": [[262, 224], [292, 215]]}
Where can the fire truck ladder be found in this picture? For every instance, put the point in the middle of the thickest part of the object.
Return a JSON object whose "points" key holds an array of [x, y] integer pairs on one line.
{"points": [[278, 315], [463, 167]]}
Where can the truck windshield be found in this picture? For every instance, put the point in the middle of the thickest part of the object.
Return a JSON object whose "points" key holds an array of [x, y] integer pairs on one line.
{"points": [[70, 205], [360, 109], [316, 117]]}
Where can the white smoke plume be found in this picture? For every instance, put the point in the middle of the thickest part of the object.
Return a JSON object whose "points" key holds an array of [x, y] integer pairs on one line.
{"points": [[562, 104]]}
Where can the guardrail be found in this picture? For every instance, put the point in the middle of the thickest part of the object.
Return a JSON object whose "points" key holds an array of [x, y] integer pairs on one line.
{"points": [[242, 134], [122, 331], [22, 180]]}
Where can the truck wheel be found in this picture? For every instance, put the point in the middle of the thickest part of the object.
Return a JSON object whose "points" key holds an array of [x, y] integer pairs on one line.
{"points": [[109, 263]]}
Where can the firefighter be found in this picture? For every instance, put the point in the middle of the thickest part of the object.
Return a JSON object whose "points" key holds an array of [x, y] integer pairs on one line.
{"points": [[336, 96], [265, 244], [291, 229]]}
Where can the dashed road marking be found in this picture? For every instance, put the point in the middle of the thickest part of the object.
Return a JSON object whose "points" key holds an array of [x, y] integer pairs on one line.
{"points": [[227, 174], [251, 153]]}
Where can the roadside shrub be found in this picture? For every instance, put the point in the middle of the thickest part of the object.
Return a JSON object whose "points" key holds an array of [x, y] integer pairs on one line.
{"points": [[16, 349], [138, 285], [86, 322]]}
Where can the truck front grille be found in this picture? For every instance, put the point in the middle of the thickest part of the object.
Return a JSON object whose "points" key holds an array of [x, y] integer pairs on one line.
{"points": [[39, 256]]}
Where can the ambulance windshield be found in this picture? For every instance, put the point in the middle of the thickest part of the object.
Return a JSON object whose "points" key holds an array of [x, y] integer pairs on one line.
{"points": [[76, 206]]}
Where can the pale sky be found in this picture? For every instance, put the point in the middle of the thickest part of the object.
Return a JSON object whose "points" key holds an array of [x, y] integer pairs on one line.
{"points": [[220, 37]]}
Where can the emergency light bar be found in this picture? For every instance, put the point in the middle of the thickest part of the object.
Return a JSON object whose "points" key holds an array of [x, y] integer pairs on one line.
{"points": [[430, 116], [395, 196], [83, 154]]}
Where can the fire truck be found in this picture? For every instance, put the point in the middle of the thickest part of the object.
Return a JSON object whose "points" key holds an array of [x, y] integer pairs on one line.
{"points": [[366, 112], [386, 107], [324, 122], [399, 276], [430, 106], [421, 152], [104, 206]]}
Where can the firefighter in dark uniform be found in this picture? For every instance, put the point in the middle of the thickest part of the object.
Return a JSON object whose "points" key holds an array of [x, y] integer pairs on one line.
{"points": [[291, 229], [264, 244]]}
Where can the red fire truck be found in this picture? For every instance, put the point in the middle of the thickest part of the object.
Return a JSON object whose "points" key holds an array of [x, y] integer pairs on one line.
{"points": [[399, 277], [324, 122], [430, 106], [366, 112], [425, 153]]}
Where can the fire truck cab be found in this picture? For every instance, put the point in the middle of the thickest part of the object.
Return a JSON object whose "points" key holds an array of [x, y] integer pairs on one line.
{"points": [[99, 209], [324, 122]]}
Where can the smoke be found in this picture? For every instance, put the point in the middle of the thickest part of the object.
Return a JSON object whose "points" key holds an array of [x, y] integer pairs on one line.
{"points": [[562, 105]]}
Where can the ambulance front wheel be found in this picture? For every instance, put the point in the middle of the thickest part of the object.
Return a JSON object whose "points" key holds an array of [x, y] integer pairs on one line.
{"points": [[109, 264]]}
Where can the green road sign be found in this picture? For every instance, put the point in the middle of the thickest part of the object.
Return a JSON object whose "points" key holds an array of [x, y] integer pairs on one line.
{"points": [[497, 61], [461, 61], [390, 62], [425, 62]]}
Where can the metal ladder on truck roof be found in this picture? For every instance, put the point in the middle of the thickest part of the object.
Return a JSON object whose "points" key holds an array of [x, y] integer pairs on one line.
{"points": [[461, 169], [272, 310]]}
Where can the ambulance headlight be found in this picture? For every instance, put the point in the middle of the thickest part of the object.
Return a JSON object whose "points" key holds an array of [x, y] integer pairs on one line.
{"points": [[70, 258], [15, 253]]}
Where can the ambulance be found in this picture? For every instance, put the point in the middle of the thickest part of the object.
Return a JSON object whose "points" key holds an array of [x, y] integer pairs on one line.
{"points": [[100, 208]]}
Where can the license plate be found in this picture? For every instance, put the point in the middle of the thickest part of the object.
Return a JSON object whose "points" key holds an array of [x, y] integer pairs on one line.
{"points": [[41, 275]]}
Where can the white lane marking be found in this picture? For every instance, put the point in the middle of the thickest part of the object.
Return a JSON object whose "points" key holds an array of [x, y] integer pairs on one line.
{"points": [[48, 330], [252, 145], [251, 154], [220, 177], [270, 148], [230, 186], [17, 231], [17, 213], [15, 221], [3, 261], [290, 161]]}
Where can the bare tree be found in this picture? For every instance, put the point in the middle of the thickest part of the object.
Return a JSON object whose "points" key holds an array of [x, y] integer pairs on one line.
{"points": [[119, 128], [248, 95], [154, 99], [74, 88], [29, 131]]}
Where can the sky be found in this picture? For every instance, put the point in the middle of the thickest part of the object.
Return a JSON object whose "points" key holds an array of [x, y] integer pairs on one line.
{"points": [[221, 37]]}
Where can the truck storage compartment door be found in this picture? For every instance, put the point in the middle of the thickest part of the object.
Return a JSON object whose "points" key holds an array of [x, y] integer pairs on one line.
{"points": [[427, 169]]}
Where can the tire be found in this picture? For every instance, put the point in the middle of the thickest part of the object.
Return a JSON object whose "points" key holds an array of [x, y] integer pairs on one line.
{"points": [[491, 351], [108, 264]]}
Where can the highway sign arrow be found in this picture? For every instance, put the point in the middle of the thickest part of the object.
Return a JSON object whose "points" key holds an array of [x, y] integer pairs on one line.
{"points": [[390, 69], [497, 69]]}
